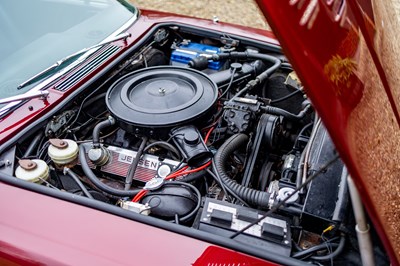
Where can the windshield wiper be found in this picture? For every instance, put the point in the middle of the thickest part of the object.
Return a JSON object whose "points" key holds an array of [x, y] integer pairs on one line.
{"points": [[25, 96], [14, 101], [59, 63]]}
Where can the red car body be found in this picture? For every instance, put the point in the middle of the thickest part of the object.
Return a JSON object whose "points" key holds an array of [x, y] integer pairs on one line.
{"points": [[328, 36], [115, 240]]}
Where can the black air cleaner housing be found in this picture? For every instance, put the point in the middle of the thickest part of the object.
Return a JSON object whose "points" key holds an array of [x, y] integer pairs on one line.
{"points": [[153, 100]]}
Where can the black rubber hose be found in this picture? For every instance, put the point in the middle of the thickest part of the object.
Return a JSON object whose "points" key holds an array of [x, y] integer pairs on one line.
{"points": [[333, 254], [218, 180], [32, 146], [96, 182], [135, 163], [226, 189], [285, 97], [100, 126], [246, 88], [261, 78], [78, 181], [164, 145], [280, 112], [93, 99], [251, 196], [276, 63], [193, 176], [264, 75]]}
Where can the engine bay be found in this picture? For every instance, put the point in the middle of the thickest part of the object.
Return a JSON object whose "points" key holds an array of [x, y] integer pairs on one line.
{"points": [[211, 133]]}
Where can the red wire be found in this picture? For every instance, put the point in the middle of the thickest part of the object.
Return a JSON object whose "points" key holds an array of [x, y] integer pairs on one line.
{"points": [[180, 172], [176, 174], [139, 195], [208, 134], [143, 192]]}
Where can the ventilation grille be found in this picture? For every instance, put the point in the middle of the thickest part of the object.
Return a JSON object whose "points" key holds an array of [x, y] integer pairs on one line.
{"points": [[101, 57]]}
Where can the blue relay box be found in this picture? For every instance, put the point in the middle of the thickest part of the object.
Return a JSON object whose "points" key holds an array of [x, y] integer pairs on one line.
{"points": [[185, 52]]}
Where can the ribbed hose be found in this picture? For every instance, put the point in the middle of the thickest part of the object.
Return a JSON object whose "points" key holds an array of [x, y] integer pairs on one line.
{"points": [[100, 185], [251, 196]]}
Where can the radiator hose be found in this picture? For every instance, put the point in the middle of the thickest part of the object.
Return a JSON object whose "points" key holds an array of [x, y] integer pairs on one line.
{"points": [[249, 195]]}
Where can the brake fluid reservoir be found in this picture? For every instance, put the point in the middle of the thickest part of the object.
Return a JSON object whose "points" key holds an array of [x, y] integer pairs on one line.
{"points": [[35, 171], [63, 152]]}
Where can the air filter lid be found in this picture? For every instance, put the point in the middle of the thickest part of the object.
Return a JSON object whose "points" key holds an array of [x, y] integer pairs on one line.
{"points": [[161, 97]]}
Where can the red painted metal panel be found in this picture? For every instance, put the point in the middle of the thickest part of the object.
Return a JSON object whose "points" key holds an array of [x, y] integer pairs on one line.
{"points": [[37, 229], [337, 48]]}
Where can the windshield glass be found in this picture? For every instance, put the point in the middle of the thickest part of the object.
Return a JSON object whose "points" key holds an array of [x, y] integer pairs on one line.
{"points": [[35, 34]]}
